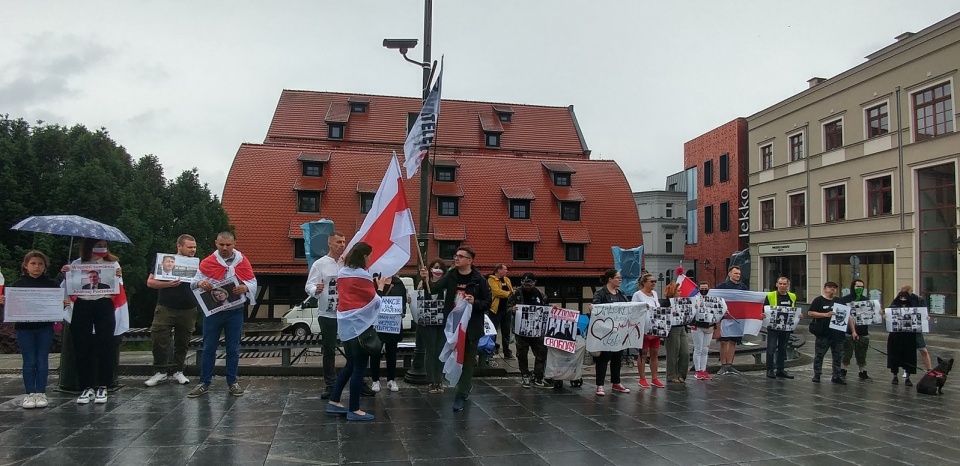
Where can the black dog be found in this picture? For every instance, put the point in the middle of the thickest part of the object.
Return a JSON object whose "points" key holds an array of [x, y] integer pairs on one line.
{"points": [[932, 382]]}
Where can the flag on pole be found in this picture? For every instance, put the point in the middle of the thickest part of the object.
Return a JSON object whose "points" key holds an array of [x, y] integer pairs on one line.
{"points": [[388, 226], [746, 307], [454, 350], [423, 131], [687, 287]]}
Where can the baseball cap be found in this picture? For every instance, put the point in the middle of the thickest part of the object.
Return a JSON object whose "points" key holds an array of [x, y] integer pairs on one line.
{"points": [[528, 277], [831, 284]]}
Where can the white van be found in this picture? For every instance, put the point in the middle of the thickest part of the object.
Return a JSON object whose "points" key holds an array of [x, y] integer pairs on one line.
{"points": [[301, 319]]}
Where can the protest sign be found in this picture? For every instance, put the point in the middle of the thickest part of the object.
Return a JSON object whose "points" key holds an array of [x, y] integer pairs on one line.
{"points": [[220, 297], [171, 267], [93, 279], [561, 330], [841, 317], [391, 315], [489, 329], [33, 305], [711, 309], [907, 319], [781, 318], [616, 326], [531, 321], [683, 311], [659, 324], [866, 312], [429, 311]]}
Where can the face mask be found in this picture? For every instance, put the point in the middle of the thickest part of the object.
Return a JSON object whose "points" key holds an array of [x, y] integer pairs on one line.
{"points": [[436, 272], [100, 252], [859, 291], [704, 292]]}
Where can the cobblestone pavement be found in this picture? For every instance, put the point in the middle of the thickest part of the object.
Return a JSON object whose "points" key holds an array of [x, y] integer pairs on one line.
{"points": [[746, 419]]}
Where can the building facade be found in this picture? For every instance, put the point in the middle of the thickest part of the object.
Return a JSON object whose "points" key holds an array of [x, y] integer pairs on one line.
{"points": [[716, 178], [857, 176], [663, 219], [514, 182]]}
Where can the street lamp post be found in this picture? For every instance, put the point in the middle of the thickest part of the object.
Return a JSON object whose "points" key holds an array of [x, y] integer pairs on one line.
{"points": [[416, 374]]}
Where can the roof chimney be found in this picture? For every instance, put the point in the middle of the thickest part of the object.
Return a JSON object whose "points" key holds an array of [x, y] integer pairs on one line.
{"points": [[815, 81], [903, 36]]}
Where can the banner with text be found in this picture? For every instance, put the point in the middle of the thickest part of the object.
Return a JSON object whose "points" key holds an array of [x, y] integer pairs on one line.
{"points": [[616, 326]]}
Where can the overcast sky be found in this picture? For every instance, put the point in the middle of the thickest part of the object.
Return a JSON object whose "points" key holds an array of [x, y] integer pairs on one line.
{"points": [[190, 81]]}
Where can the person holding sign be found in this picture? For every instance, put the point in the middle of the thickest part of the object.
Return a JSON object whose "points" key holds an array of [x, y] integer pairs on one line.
{"points": [[777, 340], [529, 294], [856, 345], [821, 311], [610, 293], [432, 335], [902, 346], [651, 343], [702, 336], [92, 326], [176, 312], [34, 338], [395, 289], [323, 277]]}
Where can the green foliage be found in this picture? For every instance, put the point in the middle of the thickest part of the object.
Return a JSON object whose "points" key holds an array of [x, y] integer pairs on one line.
{"points": [[53, 169]]}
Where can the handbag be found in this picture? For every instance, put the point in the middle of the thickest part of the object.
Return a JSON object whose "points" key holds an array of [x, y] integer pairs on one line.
{"points": [[369, 342], [818, 327]]}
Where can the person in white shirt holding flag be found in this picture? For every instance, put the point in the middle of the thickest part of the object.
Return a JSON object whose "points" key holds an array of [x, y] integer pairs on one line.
{"points": [[358, 306]]}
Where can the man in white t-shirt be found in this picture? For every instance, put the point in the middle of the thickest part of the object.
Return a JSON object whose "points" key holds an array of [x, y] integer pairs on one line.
{"points": [[323, 275]]}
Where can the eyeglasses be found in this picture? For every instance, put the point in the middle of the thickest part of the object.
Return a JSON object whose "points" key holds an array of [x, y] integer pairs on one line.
{"points": [[461, 256]]}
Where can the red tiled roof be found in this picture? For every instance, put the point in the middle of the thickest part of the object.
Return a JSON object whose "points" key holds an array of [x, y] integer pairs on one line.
{"points": [[295, 230], [300, 118], [523, 231], [449, 230], [567, 194], [521, 192], [368, 186], [310, 183], [440, 162], [574, 234], [558, 167], [322, 156], [446, 190], [490, 122]]}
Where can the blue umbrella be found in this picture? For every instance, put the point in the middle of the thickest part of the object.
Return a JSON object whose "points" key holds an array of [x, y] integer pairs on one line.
{"points": [[71, 225]]}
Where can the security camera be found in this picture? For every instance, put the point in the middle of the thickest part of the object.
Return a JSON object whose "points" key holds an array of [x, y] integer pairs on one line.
{"points": [[401, 44]]}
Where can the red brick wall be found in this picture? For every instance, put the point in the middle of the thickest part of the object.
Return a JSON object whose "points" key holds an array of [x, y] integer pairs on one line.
{"points": [[730, 138]]}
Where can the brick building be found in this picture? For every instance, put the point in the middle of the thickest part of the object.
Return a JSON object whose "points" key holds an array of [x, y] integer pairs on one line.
{"points": [[717, 215]]}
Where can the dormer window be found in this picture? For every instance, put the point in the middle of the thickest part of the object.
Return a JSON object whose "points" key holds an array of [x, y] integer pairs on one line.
{"points": [[312, 169], [358, 107], [335, 131], [561, 179], [504, 114], [445, 174], [492, 140]]}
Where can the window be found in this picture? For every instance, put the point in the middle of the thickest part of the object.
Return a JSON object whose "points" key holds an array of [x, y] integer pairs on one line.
{"points": [[669, 243], [312, 169], [669, 210], [335, 131], [366, 202], [766, 214], [308, 202], [358, 107], [447, 249], [724, 216], [561, 179], [708, 219], [505, 116], [724, 167], [444, 173], [766, 157], [492, 139], [877, 121], [879, 196], [936, 196], [798, 210], [933, 110], [672, 187], [796, 147], [299, 250], [835, 204], [833, 135], [573, 252], [448, 206], [522, 251], [520, 209], [570, 211], [708, 173]]}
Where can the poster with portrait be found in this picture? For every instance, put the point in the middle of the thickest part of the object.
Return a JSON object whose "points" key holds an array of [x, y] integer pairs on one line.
{"points": [[429, 311], [866, 312], [220, 297], [659, 324], [92, 279], [391, 315], [531, 320], [683, 311], [841, 317], [711, 309], [616, 326], [907, 319], [562, 330], [170, 267], [781, 318]]}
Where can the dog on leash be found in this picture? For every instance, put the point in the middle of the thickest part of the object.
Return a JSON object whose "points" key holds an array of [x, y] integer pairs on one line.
{"points": [[932, 382]]}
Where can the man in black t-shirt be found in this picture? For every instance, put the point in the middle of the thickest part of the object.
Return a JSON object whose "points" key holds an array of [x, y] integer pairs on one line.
{"points": [[821, 311]]}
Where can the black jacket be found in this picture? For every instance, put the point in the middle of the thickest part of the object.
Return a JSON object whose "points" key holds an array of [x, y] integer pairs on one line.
{"points": [[478, 287]]}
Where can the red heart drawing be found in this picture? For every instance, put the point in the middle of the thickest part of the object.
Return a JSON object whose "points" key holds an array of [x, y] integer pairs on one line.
{"points": [[604, 323]]}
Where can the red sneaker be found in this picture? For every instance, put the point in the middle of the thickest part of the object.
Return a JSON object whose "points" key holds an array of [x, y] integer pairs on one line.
{"points": [[698, 375], [643, 383], [657, 383], [618, 387], [707, 376], [600, 391]]}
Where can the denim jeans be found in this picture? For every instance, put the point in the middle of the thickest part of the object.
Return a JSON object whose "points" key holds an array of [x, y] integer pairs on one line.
{"points": [[777, 342], [353, 372], [35, 349], [230, 322]]}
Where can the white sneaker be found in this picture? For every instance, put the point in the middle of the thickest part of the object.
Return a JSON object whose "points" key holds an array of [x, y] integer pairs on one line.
{"points": [[392, 386], [180, 378], [41, 400], [29, 401], [85, 397], [375, 387], [157, 378], [101, 396]]}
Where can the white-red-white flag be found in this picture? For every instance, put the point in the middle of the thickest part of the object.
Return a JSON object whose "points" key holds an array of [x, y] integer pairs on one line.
{"points": [[388, 226], [423, 131], [746, 308], [454, 350], [121, 311]]}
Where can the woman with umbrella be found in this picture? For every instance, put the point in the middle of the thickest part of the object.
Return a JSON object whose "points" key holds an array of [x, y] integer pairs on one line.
{"points": [[92, 328]]}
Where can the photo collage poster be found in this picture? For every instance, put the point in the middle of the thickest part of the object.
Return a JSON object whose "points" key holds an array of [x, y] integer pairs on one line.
{"points": [[531, 320], [562, 330], [781, 318]]}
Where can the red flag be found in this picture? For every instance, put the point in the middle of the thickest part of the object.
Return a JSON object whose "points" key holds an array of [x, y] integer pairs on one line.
{"points": [[687, 287]]}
